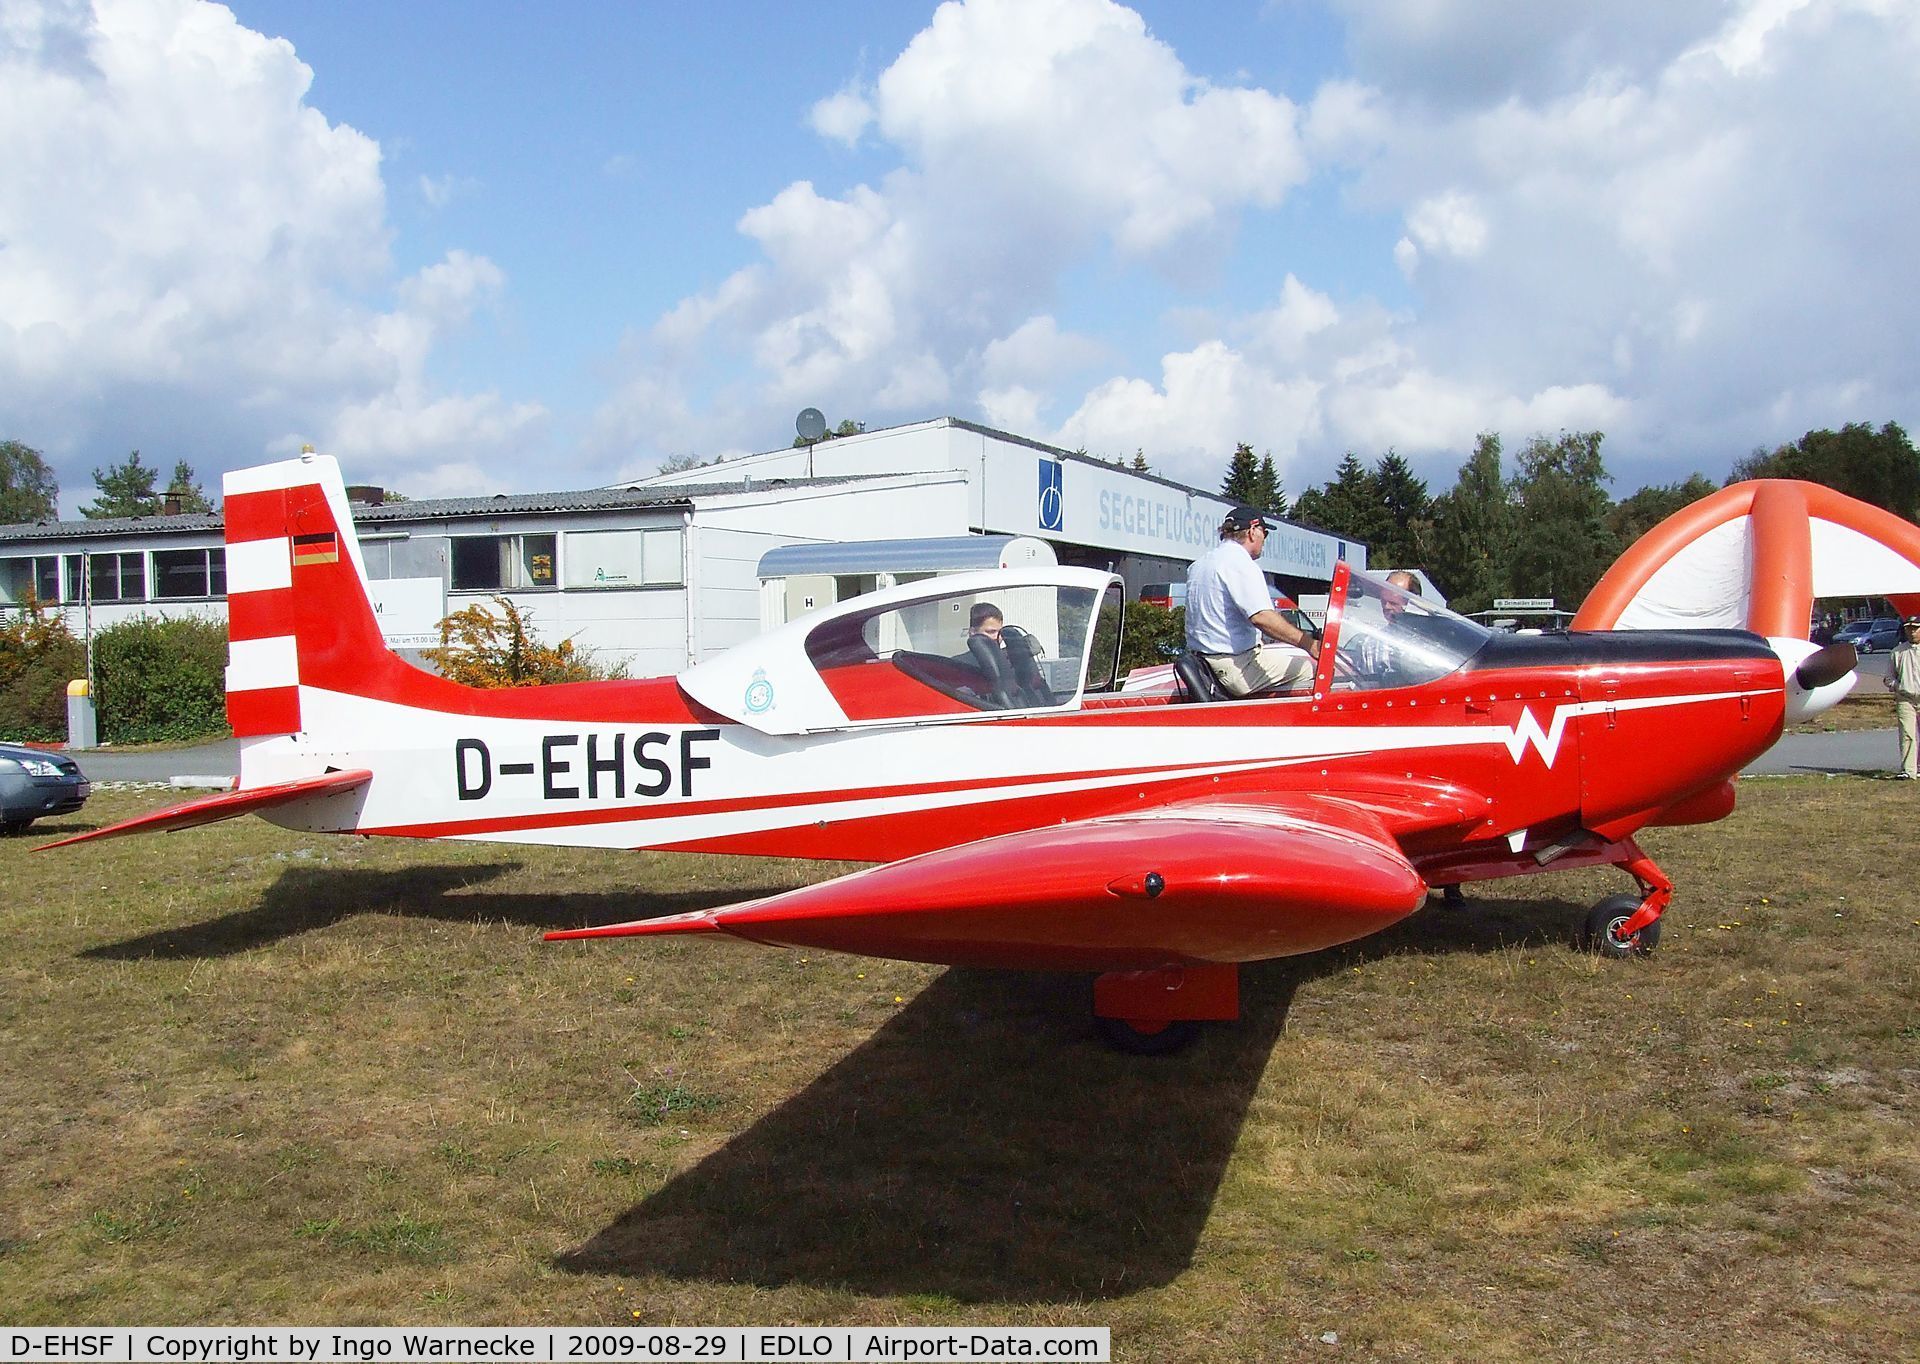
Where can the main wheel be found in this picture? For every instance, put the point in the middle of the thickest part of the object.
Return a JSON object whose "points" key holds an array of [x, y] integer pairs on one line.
{"points": [[1147, 1039], [15, 826], [1603, 928]]}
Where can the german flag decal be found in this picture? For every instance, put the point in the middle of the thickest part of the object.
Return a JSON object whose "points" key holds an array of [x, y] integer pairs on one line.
{"points": [[323, 548]]}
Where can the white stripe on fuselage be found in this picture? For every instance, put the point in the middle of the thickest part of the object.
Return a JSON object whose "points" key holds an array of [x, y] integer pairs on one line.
{"points": [[854, 774]]}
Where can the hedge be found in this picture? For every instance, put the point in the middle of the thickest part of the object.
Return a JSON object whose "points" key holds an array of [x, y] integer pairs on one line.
{"points": [[160, 679]]}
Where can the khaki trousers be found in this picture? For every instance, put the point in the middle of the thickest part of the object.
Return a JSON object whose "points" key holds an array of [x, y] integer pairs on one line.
{"points": [[1904, 710], [1262, 669]]}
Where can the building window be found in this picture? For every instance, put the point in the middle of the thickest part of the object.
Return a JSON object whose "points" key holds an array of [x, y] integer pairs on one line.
{"points": [[189, 573], [118, 577], [623, 558], [36, 576], [502, 563]]}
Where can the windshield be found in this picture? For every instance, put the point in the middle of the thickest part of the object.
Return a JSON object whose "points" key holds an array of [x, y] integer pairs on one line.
{"points": [[1392, 637]]}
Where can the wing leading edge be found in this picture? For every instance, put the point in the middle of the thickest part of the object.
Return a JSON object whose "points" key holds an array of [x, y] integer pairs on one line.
{"points": [[1195, 885]]}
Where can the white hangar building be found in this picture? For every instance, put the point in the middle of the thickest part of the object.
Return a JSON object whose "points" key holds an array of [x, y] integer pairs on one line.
{"points": [[673, 569]]}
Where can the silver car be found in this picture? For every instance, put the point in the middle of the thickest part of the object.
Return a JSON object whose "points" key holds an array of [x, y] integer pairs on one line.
{"points": [[34, 784]]}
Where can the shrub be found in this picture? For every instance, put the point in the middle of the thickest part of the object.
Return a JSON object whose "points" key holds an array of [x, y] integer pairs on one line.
{"points": [[160, 679], [479, 648], [38, 657], [1154, 635]]}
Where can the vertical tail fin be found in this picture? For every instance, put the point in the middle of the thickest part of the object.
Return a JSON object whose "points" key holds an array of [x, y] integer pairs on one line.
{"points": [[297, 604]]}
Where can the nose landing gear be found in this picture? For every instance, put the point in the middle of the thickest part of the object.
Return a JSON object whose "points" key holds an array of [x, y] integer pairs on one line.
{"points": [[1629, 925]]}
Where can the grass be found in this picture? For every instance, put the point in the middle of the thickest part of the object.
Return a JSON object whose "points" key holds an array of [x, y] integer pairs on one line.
{"points": [[254, 1076], [1870, 707]]}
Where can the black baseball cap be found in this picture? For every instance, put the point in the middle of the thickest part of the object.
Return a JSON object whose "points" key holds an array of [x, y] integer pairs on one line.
{"points": [[1246, 518]]}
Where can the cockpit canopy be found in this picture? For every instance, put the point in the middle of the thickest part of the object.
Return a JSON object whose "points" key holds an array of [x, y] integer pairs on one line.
{"points": [[1391, 637], [964, 646]]}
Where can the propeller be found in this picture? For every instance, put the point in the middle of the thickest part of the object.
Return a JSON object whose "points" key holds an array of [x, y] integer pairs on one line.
{"points": [[1827, 666]]}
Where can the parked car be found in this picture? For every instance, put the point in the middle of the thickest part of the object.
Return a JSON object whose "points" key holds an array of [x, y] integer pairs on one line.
{"points": [[34, 784], [1883, 633], [1853, 632]]}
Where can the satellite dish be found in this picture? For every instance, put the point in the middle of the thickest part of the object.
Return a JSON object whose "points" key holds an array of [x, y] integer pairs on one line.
{"points": [[811, 424]]}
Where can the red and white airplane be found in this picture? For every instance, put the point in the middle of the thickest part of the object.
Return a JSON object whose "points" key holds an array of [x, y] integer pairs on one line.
{"points": [[1025, 812]]}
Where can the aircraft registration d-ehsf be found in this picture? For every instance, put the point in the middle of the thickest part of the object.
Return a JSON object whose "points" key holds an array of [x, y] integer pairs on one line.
{"points": [[1026, 812]]}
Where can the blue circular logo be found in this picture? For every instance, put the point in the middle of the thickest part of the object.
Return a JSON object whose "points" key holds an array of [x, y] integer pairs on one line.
{"points": [[759, 694]]}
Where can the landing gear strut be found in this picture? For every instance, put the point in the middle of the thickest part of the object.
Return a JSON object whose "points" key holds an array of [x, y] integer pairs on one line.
{"points": [[1629, 925], [1159, 1012]]}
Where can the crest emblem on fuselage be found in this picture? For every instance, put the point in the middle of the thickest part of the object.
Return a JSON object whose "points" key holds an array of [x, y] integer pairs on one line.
{"points": [[759, 695]]}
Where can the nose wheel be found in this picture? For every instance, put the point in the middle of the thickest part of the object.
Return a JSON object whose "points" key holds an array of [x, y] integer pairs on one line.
{"points": [[1629, 925], [1606, 925]]}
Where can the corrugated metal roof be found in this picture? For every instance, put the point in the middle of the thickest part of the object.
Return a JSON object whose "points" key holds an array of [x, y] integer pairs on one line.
{"points": [[439, 509]]}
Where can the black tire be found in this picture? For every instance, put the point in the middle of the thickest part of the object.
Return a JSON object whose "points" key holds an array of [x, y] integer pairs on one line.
{"points": [[16, 826], [1603, 923], [1122, 1035]]}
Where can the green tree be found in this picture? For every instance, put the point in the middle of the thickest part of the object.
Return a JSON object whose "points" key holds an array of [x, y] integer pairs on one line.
{"points": [[185, 491], [1139, 465], [126, 489], [1267, 484], [1473, 531], [1348, 505], [1406, 537], [1242, 483], [27, 488], [849, 427], [1561, 541], [1880, 467], [1632, 517]]}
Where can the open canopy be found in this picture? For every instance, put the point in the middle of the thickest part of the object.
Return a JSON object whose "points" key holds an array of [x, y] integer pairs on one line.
{"points": [[963, 647]]}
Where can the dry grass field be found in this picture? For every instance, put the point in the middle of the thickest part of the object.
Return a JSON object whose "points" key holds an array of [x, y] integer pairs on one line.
{"points": [[250, 1076]]}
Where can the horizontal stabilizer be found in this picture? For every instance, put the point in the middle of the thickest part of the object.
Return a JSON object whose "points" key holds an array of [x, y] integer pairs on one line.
{"points": [[227, 805], [1202, 884]]}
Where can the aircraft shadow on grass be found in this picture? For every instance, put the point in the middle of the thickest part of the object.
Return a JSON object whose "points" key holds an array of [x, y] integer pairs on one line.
{"points": [[981, 1145], [305, 899]]}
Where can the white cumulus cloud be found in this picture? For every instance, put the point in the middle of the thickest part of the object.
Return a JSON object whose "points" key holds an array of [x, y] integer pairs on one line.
{"points": [[188, 251]]}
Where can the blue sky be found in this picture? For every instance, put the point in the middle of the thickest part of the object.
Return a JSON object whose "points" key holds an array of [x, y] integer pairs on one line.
{"points": [[475, 247]]}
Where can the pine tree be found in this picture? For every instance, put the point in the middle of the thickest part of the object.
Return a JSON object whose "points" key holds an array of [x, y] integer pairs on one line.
{"points": [[1267, 482], [1139, 465], [126, 489], [185, 492], [1406, 537], [1242, 483]]}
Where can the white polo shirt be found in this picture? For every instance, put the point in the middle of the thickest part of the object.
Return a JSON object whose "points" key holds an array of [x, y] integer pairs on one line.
{"points": [[1224, 590]]}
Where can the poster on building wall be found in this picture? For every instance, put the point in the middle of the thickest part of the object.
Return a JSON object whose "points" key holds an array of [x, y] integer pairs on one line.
{"points": [[409, 611]]}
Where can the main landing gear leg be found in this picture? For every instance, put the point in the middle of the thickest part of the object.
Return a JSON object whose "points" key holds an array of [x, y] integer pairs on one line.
{"points": [[1156, 1013], [1625, 925]]}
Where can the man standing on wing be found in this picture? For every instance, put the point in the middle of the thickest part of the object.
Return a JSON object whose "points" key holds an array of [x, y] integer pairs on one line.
{"points": [[1230, 606]]}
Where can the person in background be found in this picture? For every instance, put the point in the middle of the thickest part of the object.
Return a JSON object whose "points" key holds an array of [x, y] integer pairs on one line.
{"points": [[1903, 680], [1230, 606]]}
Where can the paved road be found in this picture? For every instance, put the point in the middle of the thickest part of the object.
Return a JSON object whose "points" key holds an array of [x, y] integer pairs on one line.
{"points": [[1862, 751], [206, 760]]}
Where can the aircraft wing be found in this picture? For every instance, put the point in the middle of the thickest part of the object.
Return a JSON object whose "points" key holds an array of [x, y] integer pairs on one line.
{"points": [[226, 805], [1184, 886]]}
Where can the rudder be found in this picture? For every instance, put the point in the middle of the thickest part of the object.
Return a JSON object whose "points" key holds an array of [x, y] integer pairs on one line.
{"points": [[298, 611]]}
